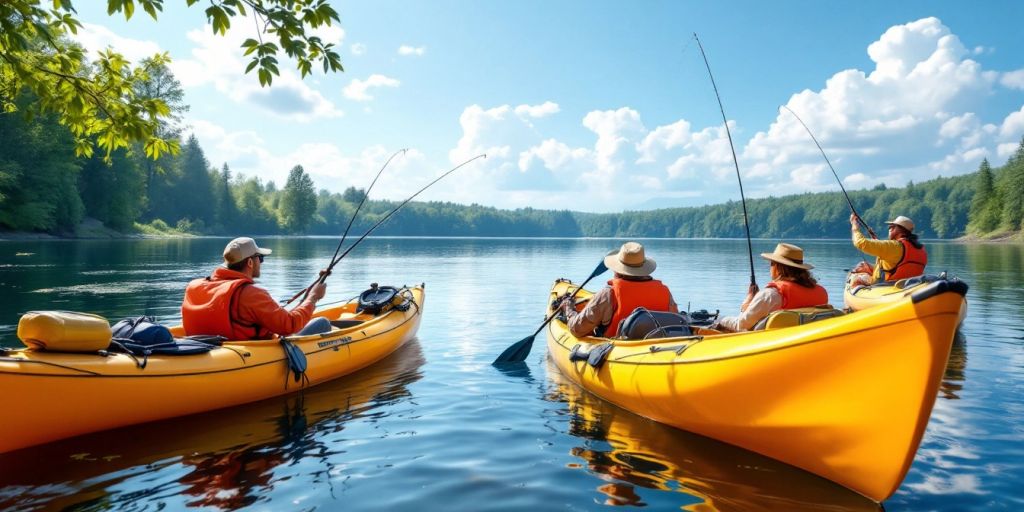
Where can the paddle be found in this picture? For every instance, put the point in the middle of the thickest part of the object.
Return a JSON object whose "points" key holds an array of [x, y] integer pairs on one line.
{"points": [[517, 352]]}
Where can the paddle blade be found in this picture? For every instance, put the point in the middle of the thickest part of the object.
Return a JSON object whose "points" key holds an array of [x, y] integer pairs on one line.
{"points": [[517, 352], [601, 269]]}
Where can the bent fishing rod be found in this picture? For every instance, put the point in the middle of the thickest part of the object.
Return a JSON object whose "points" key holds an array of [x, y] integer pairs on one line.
{"points": [[323, 276], [852, 209], [380, 222], [746, 220]]}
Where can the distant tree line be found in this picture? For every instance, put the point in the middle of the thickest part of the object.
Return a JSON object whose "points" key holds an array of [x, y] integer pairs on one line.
{"points": [[44, 187]]}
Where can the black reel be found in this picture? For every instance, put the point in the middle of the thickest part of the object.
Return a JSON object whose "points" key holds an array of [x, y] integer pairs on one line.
{"points": [[702, 317], [381, 299]]}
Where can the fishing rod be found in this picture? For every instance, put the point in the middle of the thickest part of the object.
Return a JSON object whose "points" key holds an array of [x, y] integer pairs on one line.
{"points": [[852, 209], [746, 220], [323, 275], [388, 216]]}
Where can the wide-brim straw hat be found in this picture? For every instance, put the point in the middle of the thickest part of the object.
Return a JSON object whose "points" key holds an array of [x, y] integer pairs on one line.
{"points": [[630, 260], [789, 255], [903, 222]]}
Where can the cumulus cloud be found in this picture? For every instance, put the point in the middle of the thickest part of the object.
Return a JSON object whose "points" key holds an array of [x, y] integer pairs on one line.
{"points": [[332, 168], [95, 38], [357, 89], [1013, 79], [415, 51], [911, 117], [218, 62]]}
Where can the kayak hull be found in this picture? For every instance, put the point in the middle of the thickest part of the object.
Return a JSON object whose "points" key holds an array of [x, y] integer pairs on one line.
{"points": [[53, 396], [846, 398]]}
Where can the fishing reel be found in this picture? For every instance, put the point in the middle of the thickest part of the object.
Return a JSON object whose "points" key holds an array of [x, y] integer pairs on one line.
{"points": [[381, 299]]}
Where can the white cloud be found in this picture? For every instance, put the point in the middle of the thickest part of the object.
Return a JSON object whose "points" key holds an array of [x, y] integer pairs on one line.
{"points": [[358, 49], [357, 89], [217, 61], [1013, 79], [407, 50], [246, 153], [546, 109], [95, 38], [888, 121], [1012, 128]]}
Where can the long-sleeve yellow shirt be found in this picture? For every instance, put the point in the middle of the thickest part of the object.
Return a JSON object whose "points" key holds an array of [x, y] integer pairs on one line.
{"points": [[888, 253]]}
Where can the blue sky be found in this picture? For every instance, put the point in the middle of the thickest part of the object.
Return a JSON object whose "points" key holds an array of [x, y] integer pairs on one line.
{"points": [[606, 106]]}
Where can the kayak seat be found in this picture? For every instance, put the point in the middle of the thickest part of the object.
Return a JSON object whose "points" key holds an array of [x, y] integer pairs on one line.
{"points": [[644, 324], [793, 317], [345, 324]]}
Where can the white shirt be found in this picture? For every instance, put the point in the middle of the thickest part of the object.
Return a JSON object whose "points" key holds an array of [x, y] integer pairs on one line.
{"points": [[763, 303]]}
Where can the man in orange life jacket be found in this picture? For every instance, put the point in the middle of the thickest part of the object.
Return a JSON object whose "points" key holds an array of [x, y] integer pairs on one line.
{"points": [[632, 287], [899, 257], [229, 304], [791, 287]]}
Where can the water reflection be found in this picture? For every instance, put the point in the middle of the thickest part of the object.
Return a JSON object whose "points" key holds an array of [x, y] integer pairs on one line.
{"points": [[632, 454], [953, 379], [223, 459]]}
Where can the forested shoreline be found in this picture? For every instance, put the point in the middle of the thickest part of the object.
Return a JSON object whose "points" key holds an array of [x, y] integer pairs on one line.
{"points": [[45, 188]]}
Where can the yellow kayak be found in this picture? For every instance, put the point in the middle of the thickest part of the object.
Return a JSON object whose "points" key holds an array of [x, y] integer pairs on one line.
{"points": [[846, 398], [632, 451], [858, 298], [55, 395]]}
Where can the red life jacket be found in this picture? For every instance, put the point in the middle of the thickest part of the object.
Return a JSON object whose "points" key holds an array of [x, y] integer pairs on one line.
{"points": [[796, 296], [629, 295], [911, 264], [210, 306]]}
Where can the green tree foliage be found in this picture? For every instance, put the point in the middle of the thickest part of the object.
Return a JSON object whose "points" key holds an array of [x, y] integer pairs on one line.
{"points": [[298, 201], [1011, 190], [985, 206], [38, 173], [98, 102], [353, 195], [193, 196], [227, 208], [113, 193]]}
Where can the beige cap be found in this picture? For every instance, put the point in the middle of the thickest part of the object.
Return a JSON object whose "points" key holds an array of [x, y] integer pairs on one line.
{"points": [[630, 260], [242, 248], [789, 255], [903, 222]]}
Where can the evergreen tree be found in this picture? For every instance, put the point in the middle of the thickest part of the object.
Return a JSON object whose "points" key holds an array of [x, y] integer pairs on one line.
{"points": [[113, 193], [1011, 190], [298, 201], [38, 174], [227, 208], [985, 205], [193, 193]]}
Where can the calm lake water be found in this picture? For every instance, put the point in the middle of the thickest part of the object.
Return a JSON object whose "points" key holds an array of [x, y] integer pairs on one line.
{"points": [[436, 427]]}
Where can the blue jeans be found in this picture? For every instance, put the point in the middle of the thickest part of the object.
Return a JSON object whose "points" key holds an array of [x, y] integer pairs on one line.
{"points": [[315, 326]]}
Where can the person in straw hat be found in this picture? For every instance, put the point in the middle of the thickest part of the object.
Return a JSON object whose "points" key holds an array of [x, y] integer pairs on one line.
{"points": [[899, 257], [227, 303], [791, 287], [632, 287]]}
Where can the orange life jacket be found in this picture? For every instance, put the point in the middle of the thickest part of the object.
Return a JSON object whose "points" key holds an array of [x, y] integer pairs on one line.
{"points": [[911, 264], [210, 306], [629, 295], [796, 296]]}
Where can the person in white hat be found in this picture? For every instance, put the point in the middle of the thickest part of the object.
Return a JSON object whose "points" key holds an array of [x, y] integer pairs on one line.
{"points": [[228, 304], [899, 257], [792, 286], [632, 287]]}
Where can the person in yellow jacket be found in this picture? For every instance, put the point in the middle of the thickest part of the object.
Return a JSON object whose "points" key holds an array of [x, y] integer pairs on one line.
{"points": [[899, 257]]}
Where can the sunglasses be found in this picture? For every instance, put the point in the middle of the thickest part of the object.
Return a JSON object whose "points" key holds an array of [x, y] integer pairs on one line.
{"points": [[260, 256]]}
